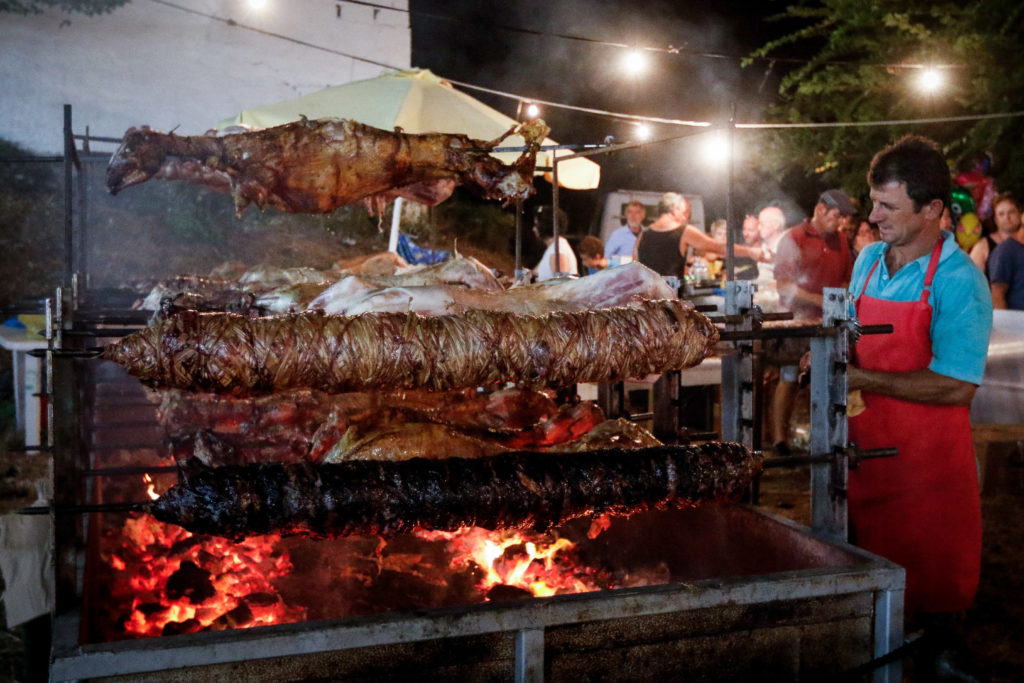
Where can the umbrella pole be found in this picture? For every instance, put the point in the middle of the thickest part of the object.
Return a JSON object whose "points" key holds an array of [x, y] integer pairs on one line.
{"points": [[554, 212], [396, 220], [520, 274]]}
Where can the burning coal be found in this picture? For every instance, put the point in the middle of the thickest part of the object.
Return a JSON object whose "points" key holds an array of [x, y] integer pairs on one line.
{"points": [[175, 582], [514, 564]]}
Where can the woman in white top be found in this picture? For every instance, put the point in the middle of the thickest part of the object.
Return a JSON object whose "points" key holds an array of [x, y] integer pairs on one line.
{"points": [[544, 228]]}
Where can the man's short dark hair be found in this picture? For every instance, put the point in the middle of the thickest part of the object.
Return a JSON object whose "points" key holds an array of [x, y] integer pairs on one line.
{"points": [[591, 247], [916, 161], [544, 220]]}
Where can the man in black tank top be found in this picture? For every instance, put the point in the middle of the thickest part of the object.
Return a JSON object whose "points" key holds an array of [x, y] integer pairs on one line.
{"points": [[662, 247]]}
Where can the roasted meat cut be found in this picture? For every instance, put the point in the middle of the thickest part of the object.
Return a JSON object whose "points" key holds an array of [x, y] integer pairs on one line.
{"points": [[228, 353], [317, 166], [606, 289], [518, 490]]}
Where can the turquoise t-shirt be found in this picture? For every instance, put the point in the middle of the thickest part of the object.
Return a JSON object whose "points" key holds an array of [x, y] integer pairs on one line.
{"points": [[960, 300]]}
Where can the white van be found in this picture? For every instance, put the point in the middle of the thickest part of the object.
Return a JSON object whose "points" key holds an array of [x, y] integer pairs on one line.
{"points": [[614, 213]]}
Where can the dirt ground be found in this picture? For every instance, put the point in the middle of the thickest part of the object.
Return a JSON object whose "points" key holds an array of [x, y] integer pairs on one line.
{"points": [[994, 631]]}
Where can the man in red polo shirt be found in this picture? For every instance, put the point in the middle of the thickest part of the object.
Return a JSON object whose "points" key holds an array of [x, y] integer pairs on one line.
{"points": [[810, 256]]}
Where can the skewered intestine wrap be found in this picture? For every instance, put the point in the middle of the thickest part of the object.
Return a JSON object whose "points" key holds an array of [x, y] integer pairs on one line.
{"points": [[519, 490], [228, 353]]}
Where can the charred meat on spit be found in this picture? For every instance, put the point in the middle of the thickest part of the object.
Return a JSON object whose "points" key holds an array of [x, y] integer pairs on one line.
{"points": [[510, 491], [317, 166], [227, 353]]}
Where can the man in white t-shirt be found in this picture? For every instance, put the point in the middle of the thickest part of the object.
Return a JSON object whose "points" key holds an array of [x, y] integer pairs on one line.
{"points": [[544, 228]]}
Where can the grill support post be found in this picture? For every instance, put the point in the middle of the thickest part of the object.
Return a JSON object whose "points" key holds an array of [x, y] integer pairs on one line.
{"points": [[740, 392], [829, 424], [529, 655]]}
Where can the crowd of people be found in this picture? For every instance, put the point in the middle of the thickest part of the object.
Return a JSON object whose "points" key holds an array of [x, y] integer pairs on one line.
{"points": [[903, 266], [671, 245]]}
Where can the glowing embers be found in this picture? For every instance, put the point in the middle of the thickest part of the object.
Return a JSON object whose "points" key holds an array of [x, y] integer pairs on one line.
{"points": [[513, 564], [175, 582]]}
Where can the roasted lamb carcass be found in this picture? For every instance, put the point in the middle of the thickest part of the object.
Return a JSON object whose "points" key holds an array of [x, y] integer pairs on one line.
{"points": [[227, 353], [516, 490], [317, 166]]}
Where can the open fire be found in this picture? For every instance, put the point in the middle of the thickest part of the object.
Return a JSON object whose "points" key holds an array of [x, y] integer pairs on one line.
{"points": [[167, 580], [175, 582], [512, 562]]}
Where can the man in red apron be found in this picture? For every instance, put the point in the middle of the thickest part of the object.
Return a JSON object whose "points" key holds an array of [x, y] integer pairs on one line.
{"points": [[922, 508]]}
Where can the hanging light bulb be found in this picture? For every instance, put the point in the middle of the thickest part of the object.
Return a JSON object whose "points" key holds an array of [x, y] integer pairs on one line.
{"points": [[257, 4], [930, 80], [642, 132], [716, 149], [635, 62], [532, 111]]}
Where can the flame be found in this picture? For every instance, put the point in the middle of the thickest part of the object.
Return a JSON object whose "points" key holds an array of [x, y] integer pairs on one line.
{"points": [[541, 564], [176, 582], [150, 487]]}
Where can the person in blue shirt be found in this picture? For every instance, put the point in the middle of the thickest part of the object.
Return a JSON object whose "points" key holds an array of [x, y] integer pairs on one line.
{"points": [[1006, 262], [621, 241], [922, 508]]}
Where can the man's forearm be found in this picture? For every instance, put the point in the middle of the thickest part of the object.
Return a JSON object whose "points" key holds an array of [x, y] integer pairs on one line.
{"points": [[790, 293], [922, 386]]}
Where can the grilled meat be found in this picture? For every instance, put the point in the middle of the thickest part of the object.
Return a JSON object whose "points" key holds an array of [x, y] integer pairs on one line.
{"points": [[609, 288], [228, 353], [399, 439], [317, 166], [518, 490]]}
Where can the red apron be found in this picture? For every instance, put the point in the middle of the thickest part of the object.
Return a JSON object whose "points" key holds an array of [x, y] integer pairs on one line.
{"points": [[922, 508]]}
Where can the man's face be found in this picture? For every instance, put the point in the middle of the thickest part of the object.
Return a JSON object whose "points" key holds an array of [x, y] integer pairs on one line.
{"points": [[681, 212], [751, 233], [770, 221], [829, 218], [893, 213], [1007, 217], [634, 216]]}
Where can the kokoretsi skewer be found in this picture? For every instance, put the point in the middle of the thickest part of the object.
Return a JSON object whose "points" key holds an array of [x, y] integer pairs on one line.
{"points": [[228, 353], [519, 490]]}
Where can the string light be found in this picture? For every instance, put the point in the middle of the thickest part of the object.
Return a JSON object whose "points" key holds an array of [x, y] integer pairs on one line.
{"points": [[643, 131], [931, 80], [715, 148], [634, 62], [532, 111], [257, 4]]}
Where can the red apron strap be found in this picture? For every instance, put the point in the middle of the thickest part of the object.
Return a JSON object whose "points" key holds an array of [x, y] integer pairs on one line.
{"points": [[933, 265], [870, 273]]}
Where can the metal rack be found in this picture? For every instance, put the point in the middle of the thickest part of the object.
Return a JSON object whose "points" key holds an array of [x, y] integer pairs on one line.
{"points": [[75, 321]]}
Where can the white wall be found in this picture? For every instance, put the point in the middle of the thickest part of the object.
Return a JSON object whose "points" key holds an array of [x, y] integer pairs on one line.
{"points": [[154, 64]]}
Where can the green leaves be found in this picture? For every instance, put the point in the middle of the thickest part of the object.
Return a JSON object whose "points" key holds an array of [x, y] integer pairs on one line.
{"points": [[865, 58]]}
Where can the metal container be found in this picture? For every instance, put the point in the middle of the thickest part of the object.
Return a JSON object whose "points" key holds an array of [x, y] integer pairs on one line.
{"points": [[748, 596]]}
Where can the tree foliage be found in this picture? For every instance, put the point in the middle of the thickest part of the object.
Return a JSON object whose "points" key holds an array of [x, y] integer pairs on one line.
{"points": [[862, 68], [80, 6]]}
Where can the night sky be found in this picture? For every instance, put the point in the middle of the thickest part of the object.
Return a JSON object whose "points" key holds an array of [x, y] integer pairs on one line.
{"points": [[466, 41]]}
